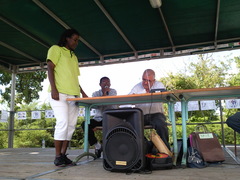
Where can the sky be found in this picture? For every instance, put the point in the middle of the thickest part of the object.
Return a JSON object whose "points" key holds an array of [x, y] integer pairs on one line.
{"points": [[124, 76]]}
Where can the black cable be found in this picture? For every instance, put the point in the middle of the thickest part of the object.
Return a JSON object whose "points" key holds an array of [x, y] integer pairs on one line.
{"points": [[151, 103]]}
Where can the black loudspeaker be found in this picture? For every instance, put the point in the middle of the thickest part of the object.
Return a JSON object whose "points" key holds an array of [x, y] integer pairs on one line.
{"points": [[123, 140]]}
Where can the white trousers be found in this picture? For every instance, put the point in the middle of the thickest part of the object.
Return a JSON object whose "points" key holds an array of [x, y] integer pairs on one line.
{"points": [[66, 113]]}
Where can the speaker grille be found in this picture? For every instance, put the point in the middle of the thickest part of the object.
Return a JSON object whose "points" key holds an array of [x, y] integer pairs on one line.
{"points": [[121, 130], [122, 149]]}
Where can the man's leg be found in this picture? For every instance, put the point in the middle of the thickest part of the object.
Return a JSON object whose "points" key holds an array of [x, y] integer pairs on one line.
{"points": [[158, 121], [91, 135]]}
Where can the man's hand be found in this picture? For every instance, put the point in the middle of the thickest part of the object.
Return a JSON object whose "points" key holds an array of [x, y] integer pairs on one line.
{"points": [[106, 90]]}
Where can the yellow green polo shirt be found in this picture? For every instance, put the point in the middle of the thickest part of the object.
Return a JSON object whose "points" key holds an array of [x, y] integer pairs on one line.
{"points": [[66, 70]]}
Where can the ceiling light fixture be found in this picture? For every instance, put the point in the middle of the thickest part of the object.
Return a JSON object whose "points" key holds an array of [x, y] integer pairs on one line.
{"points": [[156, 3]]}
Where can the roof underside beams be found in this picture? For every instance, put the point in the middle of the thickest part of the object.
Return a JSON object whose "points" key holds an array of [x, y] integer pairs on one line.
{"points": [[116, 31]]}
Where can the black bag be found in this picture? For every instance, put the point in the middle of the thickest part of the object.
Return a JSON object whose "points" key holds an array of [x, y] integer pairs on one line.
{"points": [[180, 150], [194, 159], [234, 122], [158, 161]]}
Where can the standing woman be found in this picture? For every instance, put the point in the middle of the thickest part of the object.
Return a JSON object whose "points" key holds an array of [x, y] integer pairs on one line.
{"points": [[63, 72]]}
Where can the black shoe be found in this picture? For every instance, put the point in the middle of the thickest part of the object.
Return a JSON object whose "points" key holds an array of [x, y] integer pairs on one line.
{"points": [[67, 160], [60, 161], [98, 152]]}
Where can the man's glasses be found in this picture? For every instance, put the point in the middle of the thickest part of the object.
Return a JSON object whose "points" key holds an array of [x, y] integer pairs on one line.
{"points": [[147, 80]]}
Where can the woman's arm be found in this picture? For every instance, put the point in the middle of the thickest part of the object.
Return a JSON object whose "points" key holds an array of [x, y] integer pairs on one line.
{"points": [[82, 92], [51, 77]]}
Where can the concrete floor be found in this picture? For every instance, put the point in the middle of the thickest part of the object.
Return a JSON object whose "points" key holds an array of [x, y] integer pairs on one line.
{"points": [[37, 164]]}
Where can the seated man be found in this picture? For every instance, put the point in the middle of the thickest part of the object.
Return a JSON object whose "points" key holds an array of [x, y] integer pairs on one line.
{"points": [[153, 112], [97, 119]]}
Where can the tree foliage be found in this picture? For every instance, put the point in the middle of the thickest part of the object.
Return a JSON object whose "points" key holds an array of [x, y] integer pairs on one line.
{"points": [[204, 73], [209, 73], [235, 80], [27, 86], [178, 81]]}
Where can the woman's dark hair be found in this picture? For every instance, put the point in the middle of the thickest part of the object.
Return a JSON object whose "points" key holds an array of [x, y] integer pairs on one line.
{"points": [[66, 34]]}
